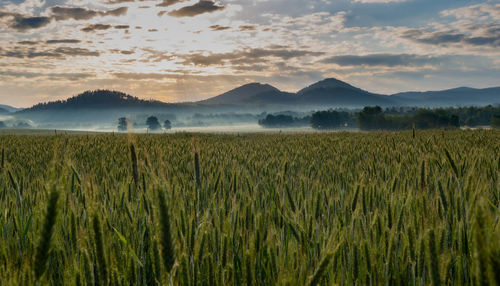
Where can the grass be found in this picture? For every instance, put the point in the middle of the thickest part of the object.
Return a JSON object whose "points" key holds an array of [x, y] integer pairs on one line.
{"points": [[277, 209]]}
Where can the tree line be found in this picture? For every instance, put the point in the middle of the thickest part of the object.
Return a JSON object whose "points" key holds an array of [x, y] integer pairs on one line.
{"points": [[151, 122], [402, 118]]}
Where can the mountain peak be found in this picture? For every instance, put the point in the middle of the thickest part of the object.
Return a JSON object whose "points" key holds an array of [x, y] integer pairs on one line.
{"points": [[241, 93], [254, 87], [327, 83]]}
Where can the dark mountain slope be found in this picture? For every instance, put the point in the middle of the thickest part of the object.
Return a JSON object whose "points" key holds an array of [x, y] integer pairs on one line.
{"points": [[98, 99], [338, 93], [462, 96], [241, 94], [93, 107]]}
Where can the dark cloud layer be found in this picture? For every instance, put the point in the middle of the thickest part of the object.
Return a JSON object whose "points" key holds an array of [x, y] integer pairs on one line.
{"points": [[65, 13], [489, 36], [56, 41], [219, 28], [112, 2], [30, 43], [53, 76], [248, 28], [203, 6], [96, 27], [166, 3], [61, 52], [22, 23], [244, 57], [63, 41], [388, 60]]}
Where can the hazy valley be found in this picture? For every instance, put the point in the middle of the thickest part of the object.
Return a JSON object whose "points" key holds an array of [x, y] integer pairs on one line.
{"points": [[245, 106]]}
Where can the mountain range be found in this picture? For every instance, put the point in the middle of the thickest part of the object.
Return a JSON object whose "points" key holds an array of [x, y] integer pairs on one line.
{"points": [[255, 98]]}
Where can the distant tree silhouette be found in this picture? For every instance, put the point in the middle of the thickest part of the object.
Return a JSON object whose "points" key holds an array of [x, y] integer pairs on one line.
{"points": [[371, 118], [279, 120], [167, 124], [437, 118], [455, 121], [330, 119], [153, 123], [122, 124], [283, 121], [495, 121], [2, 124]]}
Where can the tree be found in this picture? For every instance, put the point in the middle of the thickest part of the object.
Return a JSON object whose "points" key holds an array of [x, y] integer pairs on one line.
{"points": [[454, 121], [372, 118], [122, 124], [425, 119], [2, 124], [279, 120], [167, 124], [152, 123], [328, 119], [495, 121]]}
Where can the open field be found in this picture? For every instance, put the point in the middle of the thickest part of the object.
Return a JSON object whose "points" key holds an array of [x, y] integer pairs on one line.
{"points": [[255, 209]]}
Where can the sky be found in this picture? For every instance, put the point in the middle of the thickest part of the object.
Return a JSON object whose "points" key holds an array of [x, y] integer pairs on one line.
{"points": [[188, 50]]}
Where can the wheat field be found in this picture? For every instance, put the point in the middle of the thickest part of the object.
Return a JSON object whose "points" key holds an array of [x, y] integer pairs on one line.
{"points": [[375, 208]]}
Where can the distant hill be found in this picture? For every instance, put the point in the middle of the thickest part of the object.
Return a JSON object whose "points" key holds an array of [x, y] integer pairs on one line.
{"points": [[243, 94], [9, 108], [331, 92], [462, 96], [338, 93], [92, 107], [97, 99], [3, 111], [329, 83]]}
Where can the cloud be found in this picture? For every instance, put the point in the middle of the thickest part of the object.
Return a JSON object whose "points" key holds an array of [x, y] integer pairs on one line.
{"points": [[22, 24], [56, 41], [378, 1], [487, 35], [63, 41], [388, 60], [244, 57], [31, 43], [60, 52], [219, 28], [166, 3], [76, 13], [248, 28], [203, 6], [122, 27], [112, 2], [474, 12], [96, 27], [51, 76]]}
